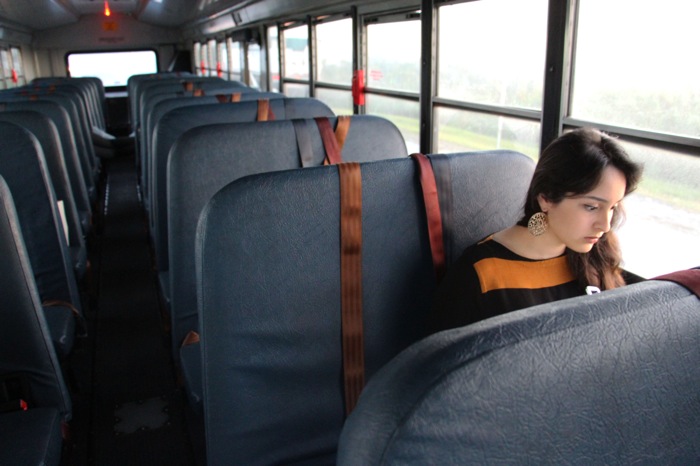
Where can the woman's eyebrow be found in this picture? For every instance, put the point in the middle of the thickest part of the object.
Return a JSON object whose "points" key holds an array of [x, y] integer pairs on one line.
{"points": [[599, 199], [587, 196]]}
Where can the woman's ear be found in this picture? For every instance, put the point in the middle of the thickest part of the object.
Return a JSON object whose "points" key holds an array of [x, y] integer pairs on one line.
{"points": [[545, 205]]}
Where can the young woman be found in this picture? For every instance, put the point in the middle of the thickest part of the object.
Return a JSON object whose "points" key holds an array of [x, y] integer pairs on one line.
{"points": [[564, 244]]}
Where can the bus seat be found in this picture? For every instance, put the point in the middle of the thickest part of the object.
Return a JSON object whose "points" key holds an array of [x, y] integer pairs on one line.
{"points": [[47, 134], [164, 102], [78, 139], [23, 166], [157, 94], [207, 158], [80, 87], [605, 379], [137, 82], [268, 288], [181, 119], [150, 88], [31, 437], [82, 184], [29, 367]]}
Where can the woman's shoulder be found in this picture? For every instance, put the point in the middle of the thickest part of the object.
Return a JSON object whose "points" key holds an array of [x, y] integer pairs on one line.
{"points": [[486, 248]]}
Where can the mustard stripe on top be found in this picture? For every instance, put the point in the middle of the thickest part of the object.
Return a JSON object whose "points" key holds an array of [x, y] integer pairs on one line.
{"points": [[498, 274]]}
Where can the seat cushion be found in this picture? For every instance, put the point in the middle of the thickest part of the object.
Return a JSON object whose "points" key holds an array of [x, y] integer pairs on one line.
{"points": [[31, 437], [61, 324]]}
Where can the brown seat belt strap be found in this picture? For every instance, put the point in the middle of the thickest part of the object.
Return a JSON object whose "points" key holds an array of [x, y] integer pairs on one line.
{"points": [[80, 320], [333, 142], [264, 110], [191, 338], [59, 303], [228, 98], [351, 282], [341, 130], [432, 213]]}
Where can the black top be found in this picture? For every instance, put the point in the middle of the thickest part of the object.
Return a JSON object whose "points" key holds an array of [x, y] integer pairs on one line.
{"points": [[489, 279]]}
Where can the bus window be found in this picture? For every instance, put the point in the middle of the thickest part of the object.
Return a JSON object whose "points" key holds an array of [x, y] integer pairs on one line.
{"points": [[212, 50], [334, 64], [662, 224], [6, 68], [627, 77], [253, 57], [296, 53], [464, 130], [223, 59], [273, 59], [392, 67], [479, 64], [17, 66], [235, 68], [339, 101], [113, 68]]}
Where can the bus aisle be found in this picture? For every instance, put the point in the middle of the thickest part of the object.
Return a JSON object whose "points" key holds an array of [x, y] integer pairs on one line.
{"points": [[136, 410]]}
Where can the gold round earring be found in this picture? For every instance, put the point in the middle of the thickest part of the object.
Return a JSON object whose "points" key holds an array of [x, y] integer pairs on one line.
{"points": [[537, 224]]}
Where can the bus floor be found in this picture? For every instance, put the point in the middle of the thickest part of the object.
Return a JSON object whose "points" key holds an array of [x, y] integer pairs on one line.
{"points": [[127, 406]]}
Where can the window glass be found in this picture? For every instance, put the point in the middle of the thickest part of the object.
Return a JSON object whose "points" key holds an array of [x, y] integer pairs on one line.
{"points": [[113, 68], [254, 73], [204, 61], [223, 58], [197, 58], [635, 65], [212, 59], [235, 69], [393, 57], [486, 56], [296, 90], [339, 101], [334, 51], [403, 113], [296, 53], [662, 227], [6, 67], [273, 58], [17, 60], [462, 131]]}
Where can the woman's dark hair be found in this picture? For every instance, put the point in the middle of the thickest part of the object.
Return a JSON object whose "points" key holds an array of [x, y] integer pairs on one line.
{"points": [[573, 164]]}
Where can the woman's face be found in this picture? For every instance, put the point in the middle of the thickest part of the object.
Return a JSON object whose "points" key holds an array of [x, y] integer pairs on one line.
{"points": [[579, 221]]}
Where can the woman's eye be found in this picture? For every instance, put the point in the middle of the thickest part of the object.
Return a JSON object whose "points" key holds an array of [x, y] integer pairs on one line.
{"points": [[590, 207]]}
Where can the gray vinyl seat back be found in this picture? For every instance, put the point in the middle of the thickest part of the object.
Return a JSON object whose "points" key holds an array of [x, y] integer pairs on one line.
{"points": [[82, 122], [135, 83], [24, 168], [84, 88], [159, 104], [158, 94], [605, 379], [268, 284], [207, 158], [181, 119], [60, 118], [76, 134], [47, 135], [25, 342], [151, 88]]}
